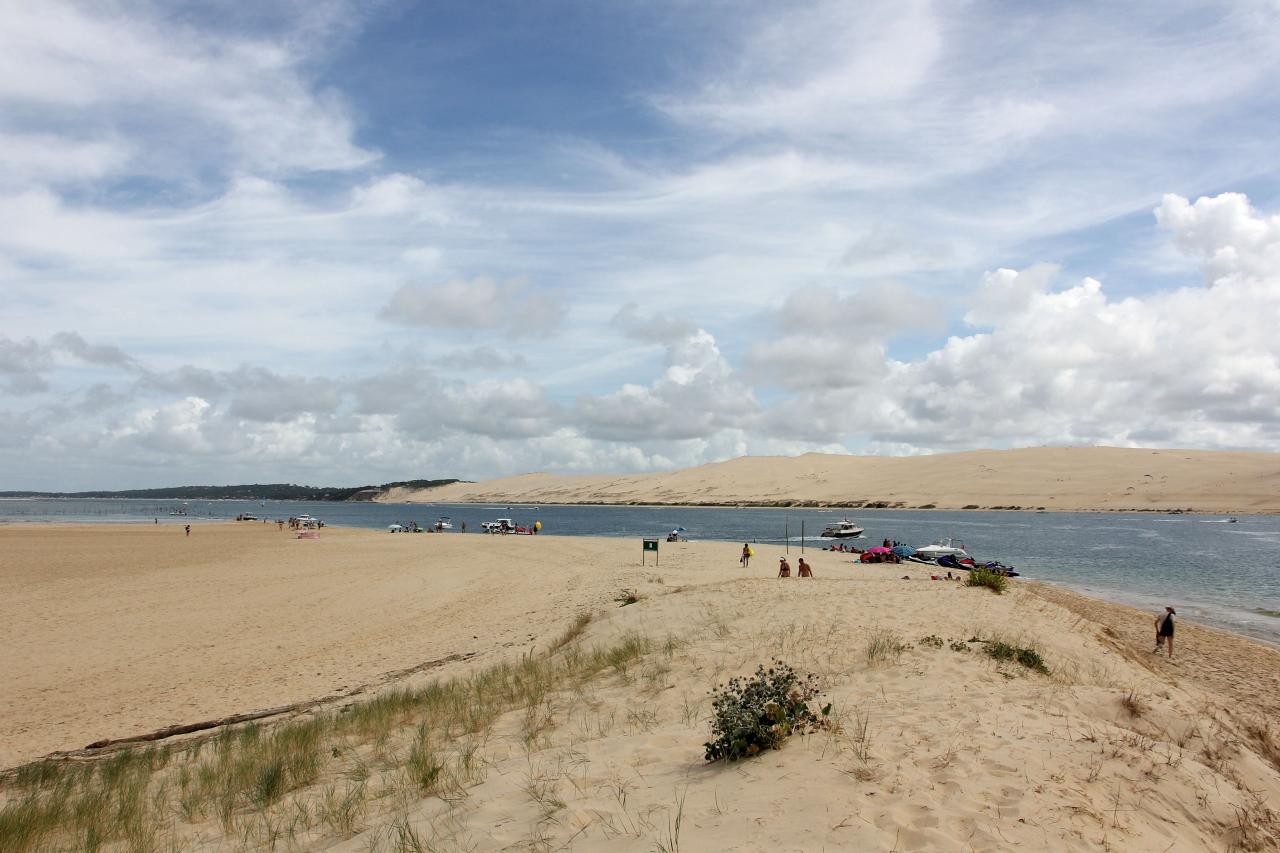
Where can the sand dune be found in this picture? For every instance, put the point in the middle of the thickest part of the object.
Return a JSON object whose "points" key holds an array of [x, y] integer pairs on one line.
{"points": [[1094, 478], [110, 631]]}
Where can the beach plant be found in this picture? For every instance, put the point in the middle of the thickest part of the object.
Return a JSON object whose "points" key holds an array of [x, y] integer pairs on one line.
{"points": [[626, 596], [759, 713], [933, 641], [1133, 703], [1030, 658], [993, 581], [885, 646], [266, 779]]}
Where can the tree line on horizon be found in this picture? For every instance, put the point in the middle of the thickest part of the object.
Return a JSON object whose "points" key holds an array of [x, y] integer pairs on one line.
{"points": [[253, 492]]}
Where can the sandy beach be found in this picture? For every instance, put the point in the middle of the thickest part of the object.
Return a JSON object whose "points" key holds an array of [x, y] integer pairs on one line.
{"points": [[1051, 478], [112, 631]]}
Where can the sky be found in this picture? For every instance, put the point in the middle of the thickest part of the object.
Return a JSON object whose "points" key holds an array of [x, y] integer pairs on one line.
{"points": [[342, 243]]}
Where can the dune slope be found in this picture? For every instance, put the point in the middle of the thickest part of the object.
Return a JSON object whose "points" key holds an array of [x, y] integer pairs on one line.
{"points": [[1094, 478]]}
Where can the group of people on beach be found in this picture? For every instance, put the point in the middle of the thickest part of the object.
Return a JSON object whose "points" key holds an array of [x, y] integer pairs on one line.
{"points": [[803, 569]]}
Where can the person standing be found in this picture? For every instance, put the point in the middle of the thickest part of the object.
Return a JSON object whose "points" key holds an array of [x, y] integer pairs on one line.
{"points": [[784, 568], [803, 570], [1164, 631], [188, 529], [746, 555]]}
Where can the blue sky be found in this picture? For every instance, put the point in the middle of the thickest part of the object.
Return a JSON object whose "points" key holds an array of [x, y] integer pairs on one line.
{"points": [[351, 243]]}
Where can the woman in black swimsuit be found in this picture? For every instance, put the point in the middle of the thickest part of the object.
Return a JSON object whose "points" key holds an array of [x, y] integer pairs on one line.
{"points": [[1164, 631]]}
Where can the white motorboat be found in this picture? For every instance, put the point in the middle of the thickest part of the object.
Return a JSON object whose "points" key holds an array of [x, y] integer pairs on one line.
{"points": [[444, 523], [943, 547], [845, 529], [502, 525]]}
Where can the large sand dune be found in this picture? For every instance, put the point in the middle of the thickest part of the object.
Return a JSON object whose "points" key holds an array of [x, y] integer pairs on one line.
{"points": [[1092, 478]]}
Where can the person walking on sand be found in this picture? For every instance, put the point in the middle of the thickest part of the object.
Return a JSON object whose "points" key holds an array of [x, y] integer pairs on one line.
{"points": [[803, 570], [746, 555], [188, 529], [1164, 631], [784, 568]]}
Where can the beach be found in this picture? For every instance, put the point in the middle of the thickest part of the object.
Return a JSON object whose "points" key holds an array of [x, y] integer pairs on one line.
{"points": [[931, 743], [1062, 479]]}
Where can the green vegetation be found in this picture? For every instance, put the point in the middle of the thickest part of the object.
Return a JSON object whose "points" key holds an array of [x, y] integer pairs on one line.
{"points": [[253, 492], [761, 712], [885, 646], [265, 782], [1030, 658], [993, 581]]}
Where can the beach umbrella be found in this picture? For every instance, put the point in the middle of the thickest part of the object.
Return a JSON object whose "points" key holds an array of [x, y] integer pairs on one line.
{"points": [[879, 549], [904, 550]]}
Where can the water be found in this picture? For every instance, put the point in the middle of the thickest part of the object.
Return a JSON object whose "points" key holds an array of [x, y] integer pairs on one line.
{"points": [[1226, 575]]}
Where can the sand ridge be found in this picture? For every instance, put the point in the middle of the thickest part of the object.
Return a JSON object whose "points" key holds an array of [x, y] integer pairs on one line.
{"points": [[1052, 478]]}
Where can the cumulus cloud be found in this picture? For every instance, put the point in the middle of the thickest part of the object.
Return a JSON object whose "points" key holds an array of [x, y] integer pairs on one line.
{"points": [[258, 394], [1196, 365], [512, 306], [103, 355], [697, 395], [828, 339], [22, 366]]}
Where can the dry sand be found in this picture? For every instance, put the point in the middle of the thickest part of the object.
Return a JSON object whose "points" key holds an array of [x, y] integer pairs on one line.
{"points": [[110, 631], [1070, 479]]}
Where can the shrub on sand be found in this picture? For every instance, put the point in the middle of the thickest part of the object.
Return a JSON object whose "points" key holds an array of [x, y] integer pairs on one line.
{"points": [[761, 712], [993, 581], [1030, 658]]}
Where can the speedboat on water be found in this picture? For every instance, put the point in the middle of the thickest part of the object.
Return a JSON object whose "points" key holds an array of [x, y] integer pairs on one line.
{"points": [[842, 530], [941, 548], [444, 523]]}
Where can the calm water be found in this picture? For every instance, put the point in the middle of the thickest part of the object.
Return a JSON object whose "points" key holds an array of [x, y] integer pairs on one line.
{"points": [[1222, 574]]}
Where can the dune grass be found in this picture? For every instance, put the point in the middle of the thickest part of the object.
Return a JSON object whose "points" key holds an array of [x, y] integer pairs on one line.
{"points": [[993, 581], [305, 776], [885, 647]]}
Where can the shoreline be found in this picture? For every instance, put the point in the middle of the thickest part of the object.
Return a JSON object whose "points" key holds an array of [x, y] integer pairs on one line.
{"points": [[1230, 623]]}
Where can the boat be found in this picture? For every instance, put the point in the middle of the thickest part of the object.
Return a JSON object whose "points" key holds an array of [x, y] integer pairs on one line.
{"points": [[502, 525], [444, 523], [942, 547], [845, 529]]}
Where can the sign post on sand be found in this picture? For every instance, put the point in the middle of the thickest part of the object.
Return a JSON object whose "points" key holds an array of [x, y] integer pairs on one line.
{"points": [[649, 545]]}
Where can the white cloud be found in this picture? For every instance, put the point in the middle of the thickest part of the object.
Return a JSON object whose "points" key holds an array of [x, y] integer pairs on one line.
{"points": [[697, 396], [513, 306], [177, 92]]}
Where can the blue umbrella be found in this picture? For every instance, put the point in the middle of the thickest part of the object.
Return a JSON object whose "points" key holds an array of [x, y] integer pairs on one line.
{"points": [[904, 550]]}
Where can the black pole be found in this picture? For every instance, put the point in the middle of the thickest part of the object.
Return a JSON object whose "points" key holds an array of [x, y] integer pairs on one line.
{"points": [[802, 536], [786, 532]]}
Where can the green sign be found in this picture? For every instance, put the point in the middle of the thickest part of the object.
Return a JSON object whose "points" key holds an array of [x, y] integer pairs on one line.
{"points": [[651, 544]]}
